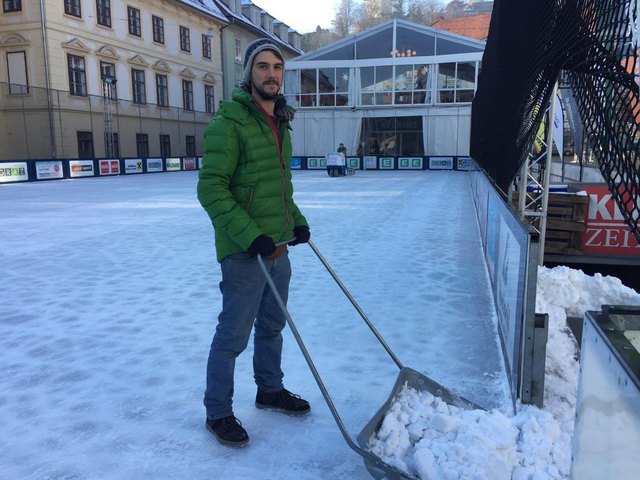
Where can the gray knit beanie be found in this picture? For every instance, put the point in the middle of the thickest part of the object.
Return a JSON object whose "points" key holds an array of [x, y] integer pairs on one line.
{"points": [[253, 49]]}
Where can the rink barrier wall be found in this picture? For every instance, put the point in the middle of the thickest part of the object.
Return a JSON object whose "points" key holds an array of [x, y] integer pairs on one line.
{"points": [[511, 250], [46, 169]]}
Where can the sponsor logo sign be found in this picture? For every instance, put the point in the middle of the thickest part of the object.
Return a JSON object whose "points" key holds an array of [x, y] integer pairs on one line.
{"points": [[441, 163], [189, 163], [386, 163], [109, 166], [200, 162], [316, 162], [49, 169], [296, 163], [173, 164], [410, 163], [606, 233], [154, 164], [353, 162], [81, 168], [13, 172], [464, 163], [132, 165]]}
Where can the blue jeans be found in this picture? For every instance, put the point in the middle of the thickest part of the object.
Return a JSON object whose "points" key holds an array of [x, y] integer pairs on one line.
{"points": [[247, 301]]}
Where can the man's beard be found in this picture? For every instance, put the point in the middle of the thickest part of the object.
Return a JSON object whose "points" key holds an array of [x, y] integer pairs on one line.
{"points": [[264, 94]]}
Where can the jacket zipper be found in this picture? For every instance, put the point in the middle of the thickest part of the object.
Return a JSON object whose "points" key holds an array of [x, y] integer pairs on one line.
{"points": [[274, 131]]}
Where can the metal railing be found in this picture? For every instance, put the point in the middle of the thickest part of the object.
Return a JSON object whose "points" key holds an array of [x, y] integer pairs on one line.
{"points": [[37, 124]]}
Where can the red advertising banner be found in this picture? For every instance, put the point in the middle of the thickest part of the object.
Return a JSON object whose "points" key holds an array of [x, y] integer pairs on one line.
{"points": [[189, 163], [109, 166], [606, 233]]}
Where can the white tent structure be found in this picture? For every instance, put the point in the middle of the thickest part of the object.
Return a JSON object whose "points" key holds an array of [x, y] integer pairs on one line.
{"points": [[395, 89]]}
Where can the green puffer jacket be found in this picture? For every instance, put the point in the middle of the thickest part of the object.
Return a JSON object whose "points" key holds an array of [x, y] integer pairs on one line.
{"points": [[245, 181]]}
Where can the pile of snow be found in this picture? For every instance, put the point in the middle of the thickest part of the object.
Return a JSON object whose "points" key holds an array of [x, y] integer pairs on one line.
{"points": [[425, 437]]}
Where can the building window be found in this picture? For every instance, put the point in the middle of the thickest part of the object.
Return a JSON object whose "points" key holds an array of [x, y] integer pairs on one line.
{"points": [[138, 86], [133, 15], [17, 67], [72, 7], [108, 76], [238, 50], [376, 85], [77, 75], [413, 84], [456, 82], [111, 145], [209, 99], [191, 145], [142, 145], [465, 81], [103, 8], [12, 5], [162, 90], [158, 29], [206, 46], [391, 136], [165, 145], [185, 40], [187, 94], [85, 145], [308, 87], [333, 86], [446, 82]]}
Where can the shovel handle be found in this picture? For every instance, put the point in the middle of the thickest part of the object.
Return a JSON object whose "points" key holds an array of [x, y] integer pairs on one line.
{"points": [[305, 353], [392, 471], [356, 306]]}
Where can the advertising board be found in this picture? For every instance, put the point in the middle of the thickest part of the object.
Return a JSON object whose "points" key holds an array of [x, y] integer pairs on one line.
{"points": [[605, 230], [81, 168], [13, 172]]}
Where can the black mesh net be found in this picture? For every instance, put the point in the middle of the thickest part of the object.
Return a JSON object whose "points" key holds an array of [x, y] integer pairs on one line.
{"points": [[530, 42]]}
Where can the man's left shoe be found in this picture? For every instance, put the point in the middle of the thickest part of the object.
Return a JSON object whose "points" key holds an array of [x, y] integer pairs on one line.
{"points": [[283, 401]]}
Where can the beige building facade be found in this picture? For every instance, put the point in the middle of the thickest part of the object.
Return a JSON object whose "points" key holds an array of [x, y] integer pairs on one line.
{"points": [[108, 78]]}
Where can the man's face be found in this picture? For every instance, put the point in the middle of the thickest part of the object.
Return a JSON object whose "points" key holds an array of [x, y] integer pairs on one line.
{"points": [[266, 75]]}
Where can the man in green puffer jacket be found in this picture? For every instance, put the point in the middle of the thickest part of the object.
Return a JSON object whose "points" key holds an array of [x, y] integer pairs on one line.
{"points": [[245, 187]]}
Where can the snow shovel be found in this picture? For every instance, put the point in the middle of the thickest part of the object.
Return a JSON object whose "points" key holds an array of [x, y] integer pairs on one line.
{"points": [[375, 465]]}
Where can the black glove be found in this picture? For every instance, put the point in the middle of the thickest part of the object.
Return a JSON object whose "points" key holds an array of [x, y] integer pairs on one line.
{"points": [[263, 245], [302, 234]]}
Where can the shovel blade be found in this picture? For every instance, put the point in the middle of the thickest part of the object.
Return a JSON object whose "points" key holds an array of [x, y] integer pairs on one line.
{"points": [[419, 382]]}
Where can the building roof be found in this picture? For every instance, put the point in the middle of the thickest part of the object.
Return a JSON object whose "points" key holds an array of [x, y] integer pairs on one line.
{"points": [[411, 39], [476, 26], [205, 6], [245, 21]]}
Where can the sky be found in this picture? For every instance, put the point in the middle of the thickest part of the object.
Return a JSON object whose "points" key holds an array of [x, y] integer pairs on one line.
{"points": [[302, 15], [110, 289]]}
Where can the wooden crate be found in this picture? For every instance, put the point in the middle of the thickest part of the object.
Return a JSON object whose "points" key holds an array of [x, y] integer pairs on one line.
{"points": [[565, 222]]}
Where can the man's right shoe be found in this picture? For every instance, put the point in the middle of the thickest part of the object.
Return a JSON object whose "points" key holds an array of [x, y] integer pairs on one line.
{"points": [[282, 401], [228, 431]]}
